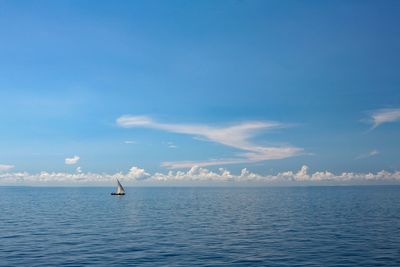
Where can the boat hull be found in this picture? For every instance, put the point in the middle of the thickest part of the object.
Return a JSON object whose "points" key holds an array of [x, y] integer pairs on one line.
{"points": [[117, 194]]}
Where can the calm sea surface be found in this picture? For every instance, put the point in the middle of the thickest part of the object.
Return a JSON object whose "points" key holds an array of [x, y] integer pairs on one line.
{"points": [[289, 226]]}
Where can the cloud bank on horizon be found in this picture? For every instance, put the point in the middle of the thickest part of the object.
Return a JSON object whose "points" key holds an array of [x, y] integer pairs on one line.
{"points": [[237, 136], [198, 174]]}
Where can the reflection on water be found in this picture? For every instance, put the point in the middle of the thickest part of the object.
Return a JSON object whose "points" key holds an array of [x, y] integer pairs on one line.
{"points": [[302, 226]]}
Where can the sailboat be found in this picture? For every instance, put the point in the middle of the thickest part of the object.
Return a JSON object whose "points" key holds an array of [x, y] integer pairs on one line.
{"points": [[120, 190]]}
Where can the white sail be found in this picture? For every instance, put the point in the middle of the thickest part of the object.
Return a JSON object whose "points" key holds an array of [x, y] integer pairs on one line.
{"points": [[120, 189]]}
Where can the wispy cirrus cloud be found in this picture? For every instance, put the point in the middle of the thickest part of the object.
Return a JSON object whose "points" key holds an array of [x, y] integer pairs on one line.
{"points": [[71, 161], [382, 116], [236, 136], [212, 162], [6, 167], [371, 153], [171, 145]]}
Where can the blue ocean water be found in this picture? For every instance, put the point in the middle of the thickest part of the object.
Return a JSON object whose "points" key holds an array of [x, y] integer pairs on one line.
{"points": [[277, 226]]}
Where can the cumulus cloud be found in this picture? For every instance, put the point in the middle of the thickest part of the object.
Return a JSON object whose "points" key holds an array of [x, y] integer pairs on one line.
{"points": [[202, 174], [137, 173], [237, 136], [134, 174], [5, 167], [199, 174], [381, 116], [72, 161]]}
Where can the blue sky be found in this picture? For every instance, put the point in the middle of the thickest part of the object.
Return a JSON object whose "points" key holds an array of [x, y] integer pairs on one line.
{"points": [[317, 70]]}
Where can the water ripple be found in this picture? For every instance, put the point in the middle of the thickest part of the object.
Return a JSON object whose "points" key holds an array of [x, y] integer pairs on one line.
{"points": [[316, 226]]}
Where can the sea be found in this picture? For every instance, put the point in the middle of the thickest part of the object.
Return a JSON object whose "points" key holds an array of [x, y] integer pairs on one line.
{"points": [[200, 226]]}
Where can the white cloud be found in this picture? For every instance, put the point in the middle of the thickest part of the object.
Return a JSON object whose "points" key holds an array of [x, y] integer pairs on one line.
{"points": [[205, 163], [199, 174], [171, 145], [131, 121], [78, 170], [371, 153], [381, 116], [130, 142], [72, 161], [137, 173], [5, 167], [134, 174], [236, 136]]}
